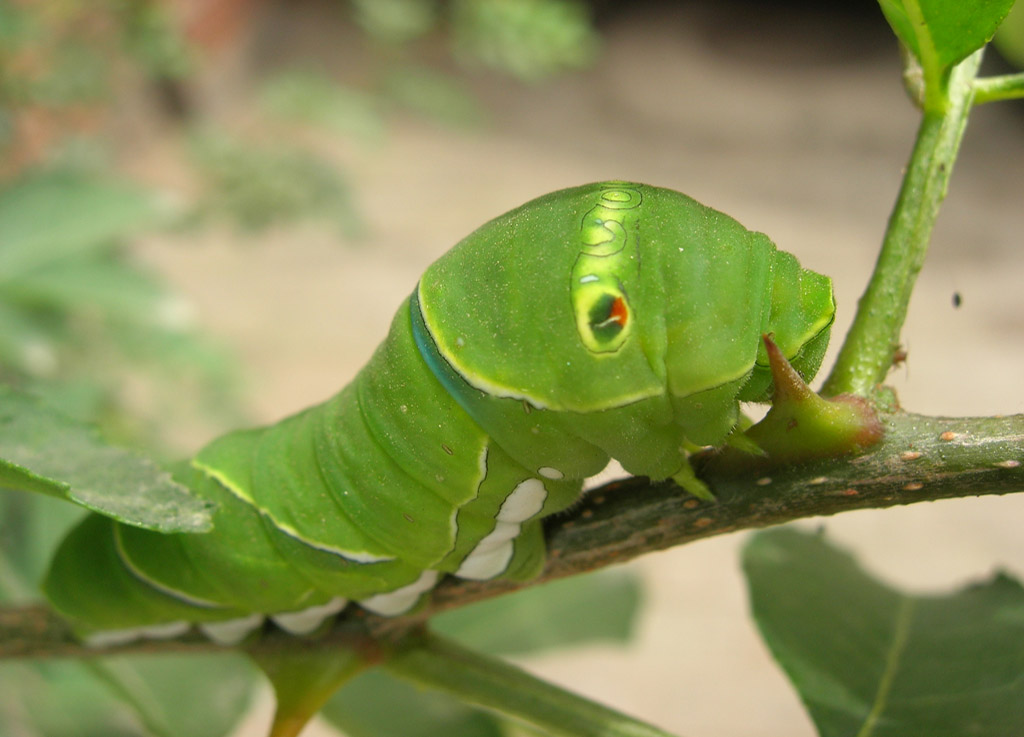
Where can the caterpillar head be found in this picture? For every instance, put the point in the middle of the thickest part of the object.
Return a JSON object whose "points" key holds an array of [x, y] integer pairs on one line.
{"points": [[603, 295]]}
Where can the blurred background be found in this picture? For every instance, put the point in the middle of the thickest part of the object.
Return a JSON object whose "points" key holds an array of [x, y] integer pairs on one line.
{"points": [[210, 209]]}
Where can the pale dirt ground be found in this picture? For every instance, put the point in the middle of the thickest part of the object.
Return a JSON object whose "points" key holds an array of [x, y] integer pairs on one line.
{"points": [[806, 149]]}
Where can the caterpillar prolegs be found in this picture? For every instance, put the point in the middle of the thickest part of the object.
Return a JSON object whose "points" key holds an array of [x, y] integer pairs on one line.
{"points": [[612, 320]]}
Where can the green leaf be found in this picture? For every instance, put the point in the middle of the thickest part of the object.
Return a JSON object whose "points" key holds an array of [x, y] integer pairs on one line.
{"points": [[598, 607], [42, 451], [1010, 39], [942, 33], [119, 291], [46, 218], [182, 695], [375, 704], [142, 696], [872, 661], [30, 528], [61, 699], [176, 696]]}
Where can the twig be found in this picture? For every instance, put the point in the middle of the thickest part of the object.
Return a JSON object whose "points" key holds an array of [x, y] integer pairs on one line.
{"points": [[920, 459]]}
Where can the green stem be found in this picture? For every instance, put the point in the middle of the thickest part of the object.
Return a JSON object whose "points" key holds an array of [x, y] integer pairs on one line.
{"points": [[440, 664], [866, 355], [304, 679], [995, 89]]}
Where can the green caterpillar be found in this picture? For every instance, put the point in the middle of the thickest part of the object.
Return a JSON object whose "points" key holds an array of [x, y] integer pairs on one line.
{"points": [[613, 320]]}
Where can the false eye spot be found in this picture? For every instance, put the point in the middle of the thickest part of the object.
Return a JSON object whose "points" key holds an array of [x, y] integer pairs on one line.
{"points": [[608, 317], [602, 311], [603, 318]]}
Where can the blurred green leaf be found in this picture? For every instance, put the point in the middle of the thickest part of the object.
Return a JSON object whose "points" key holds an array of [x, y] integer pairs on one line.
{"points": [[154, 696], [49, 217], [530, 39], [872, 661], [61, 699], [573, 611], [169, 696], [1009, 39], [80, 322], [258, 186], [395, 21], [942, 33], [432, 95], [182, 695], [150, 35], [45, 452], [377, 705], [71, 52], [313, 98], [25, 346], [30, 528], [113, 288], [12, 24]]}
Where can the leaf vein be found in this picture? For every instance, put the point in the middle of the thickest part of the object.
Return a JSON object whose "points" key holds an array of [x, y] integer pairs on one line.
{"points": [[901, 634]]}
